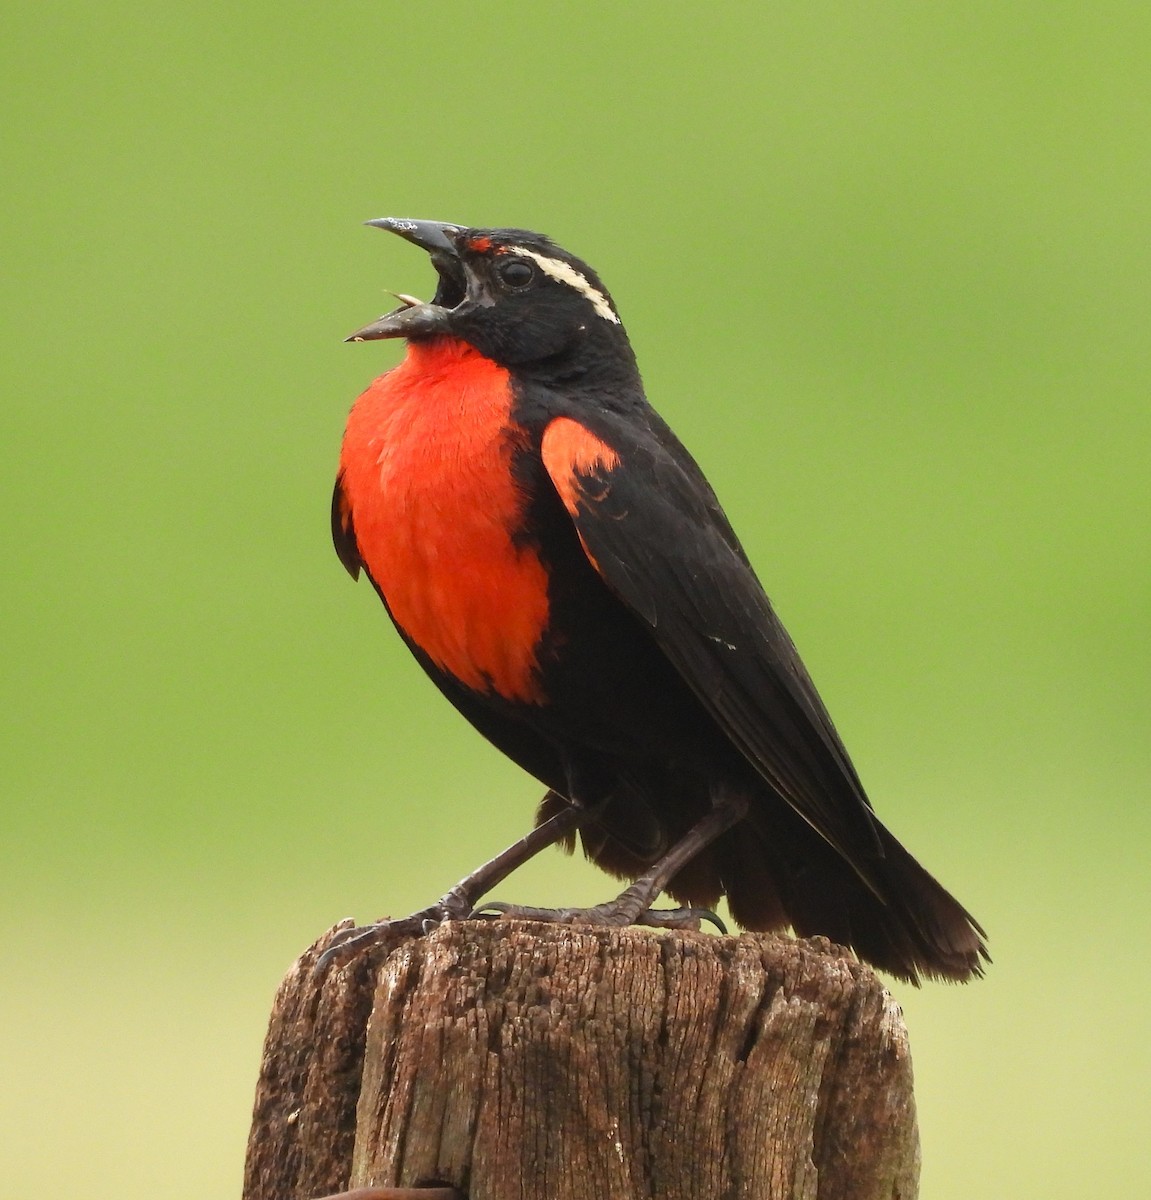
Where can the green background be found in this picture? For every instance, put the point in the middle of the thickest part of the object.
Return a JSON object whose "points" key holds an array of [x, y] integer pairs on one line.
{"points": [[886, 269]]}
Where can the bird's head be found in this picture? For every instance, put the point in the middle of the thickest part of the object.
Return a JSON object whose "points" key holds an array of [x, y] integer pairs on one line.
{"points": [[514, 295]]}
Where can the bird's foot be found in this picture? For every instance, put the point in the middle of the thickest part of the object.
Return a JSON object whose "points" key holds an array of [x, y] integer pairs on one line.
{"points": [[634, 906], [352, 942], [613, 913], [459, 902]]}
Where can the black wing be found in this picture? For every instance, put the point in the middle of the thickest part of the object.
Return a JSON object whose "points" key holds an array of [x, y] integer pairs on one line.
{"points": [[343, 535], [654, 530]]}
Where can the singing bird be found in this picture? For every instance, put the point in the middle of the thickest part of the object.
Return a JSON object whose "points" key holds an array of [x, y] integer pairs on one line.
{"points": [[558, 564]]}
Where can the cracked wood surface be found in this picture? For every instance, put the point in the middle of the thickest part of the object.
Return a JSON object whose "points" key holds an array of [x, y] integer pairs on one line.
{"points": [[520, 1061]]}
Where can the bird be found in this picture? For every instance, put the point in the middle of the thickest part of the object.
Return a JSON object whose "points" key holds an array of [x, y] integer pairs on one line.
{"points": [[560, 567]]}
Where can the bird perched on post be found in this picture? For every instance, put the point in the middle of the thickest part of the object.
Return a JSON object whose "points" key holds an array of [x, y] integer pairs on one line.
{"points": [[560, 567]]}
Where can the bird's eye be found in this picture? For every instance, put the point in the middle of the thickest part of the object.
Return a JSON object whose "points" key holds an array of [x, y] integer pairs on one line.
{"points": [[517, 273]]}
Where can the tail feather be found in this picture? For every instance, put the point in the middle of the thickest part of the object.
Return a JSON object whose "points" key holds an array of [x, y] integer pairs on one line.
{"points": [[951, 942], [903, 921]]}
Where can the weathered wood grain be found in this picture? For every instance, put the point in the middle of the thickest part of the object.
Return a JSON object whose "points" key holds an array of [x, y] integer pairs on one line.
{"points": [[526, 1061]]}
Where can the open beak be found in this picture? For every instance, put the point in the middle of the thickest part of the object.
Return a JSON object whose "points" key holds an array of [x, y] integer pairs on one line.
{"points": [[415, 319]]}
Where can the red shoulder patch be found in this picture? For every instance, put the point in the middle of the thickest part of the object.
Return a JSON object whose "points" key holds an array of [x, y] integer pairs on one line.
{"points": [[570, 450]]}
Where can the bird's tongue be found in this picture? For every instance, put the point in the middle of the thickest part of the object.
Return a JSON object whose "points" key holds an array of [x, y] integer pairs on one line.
{"points": [[439, 239]]}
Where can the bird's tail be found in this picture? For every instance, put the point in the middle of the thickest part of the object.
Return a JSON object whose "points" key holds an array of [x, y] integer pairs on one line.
{"points": [[900, 920]]}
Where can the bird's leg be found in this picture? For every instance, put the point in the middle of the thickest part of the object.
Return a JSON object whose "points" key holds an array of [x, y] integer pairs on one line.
{"points": [[458, 902], [633, 906]]}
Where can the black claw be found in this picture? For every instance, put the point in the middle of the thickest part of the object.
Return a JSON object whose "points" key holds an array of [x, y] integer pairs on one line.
{"points": [[681, 918], [714, 918], [345, 946]]}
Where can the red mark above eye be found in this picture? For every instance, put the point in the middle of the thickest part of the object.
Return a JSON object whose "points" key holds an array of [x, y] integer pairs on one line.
{"points": [[481, 245]]}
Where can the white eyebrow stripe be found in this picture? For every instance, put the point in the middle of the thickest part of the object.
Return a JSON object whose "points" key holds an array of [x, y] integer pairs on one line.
{"points": [[566, 273]]}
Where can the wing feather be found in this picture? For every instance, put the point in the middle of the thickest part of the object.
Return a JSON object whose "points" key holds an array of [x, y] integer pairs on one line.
{"points": [[654, 530], [343, 535]]}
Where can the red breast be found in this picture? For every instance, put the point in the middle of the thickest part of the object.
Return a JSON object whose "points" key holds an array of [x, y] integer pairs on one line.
{"points": [[426, 464]]}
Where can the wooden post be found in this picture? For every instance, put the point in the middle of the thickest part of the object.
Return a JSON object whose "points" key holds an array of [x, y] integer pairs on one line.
{"points": [[541, 1062]]}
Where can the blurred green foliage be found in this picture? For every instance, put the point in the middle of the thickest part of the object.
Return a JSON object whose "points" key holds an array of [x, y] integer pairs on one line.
{"points": [[886, 268]]}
